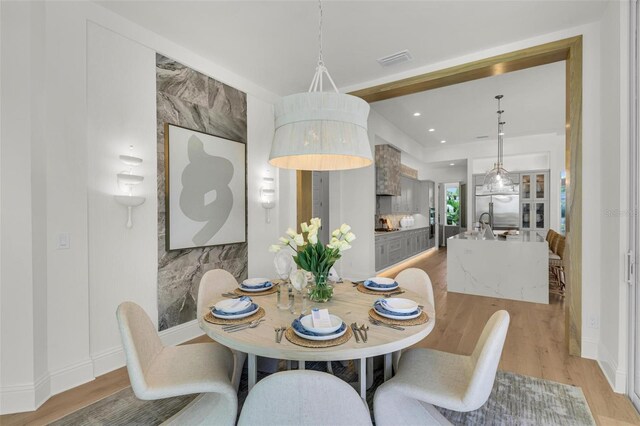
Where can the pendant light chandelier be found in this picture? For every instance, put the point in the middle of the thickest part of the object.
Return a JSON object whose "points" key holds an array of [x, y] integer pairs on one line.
{"points": [[318, 130], [497, 180]]}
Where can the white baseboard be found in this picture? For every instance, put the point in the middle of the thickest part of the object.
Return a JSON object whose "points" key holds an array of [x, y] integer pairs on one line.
{"points": [[20, 398], [616, 377], [181, 333], [107, 360], [113, 358], [589, 348], [71, 376], [28, 397]]}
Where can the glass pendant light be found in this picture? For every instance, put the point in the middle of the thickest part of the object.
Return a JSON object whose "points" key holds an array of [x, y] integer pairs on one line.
{"points": [[318, 130], [497, 181]]}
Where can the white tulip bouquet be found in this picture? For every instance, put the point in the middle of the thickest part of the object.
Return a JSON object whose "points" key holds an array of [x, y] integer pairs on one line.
{"points": [[311, 255]]}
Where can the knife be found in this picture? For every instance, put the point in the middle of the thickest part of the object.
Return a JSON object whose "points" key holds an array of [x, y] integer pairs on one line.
{"points": [[355, 332]]}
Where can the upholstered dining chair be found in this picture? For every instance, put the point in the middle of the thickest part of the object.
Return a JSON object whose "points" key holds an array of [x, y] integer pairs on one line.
{"points": [[303, 397], [428, 377], [212, 284], [417, 281], [157, 371]]}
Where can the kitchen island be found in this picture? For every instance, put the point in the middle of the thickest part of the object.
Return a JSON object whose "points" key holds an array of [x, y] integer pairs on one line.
{"points": [[515, 268]]}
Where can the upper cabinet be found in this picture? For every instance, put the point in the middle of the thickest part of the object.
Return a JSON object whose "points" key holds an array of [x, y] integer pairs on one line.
{"points": [[387, 170]]}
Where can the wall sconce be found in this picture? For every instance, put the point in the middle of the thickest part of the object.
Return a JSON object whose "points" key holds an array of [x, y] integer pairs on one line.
{"points": [[268, 196], [126, 181]]}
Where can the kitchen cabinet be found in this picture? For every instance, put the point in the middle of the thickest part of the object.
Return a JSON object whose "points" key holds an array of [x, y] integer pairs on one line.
{"points": [[409, 200], [394, 247], [534, 200]]}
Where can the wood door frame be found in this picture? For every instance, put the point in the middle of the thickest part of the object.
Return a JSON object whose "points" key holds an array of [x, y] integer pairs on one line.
{"points": [[569, 50]]}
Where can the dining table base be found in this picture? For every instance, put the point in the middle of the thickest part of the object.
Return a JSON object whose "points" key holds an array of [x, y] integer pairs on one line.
{"points": [[363, 365]]}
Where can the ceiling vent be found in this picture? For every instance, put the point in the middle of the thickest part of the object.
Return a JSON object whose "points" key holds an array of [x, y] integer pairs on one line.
{"points": [[482, 137], [395, 58]]}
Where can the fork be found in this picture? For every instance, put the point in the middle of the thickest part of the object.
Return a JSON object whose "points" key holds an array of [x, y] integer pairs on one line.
{"points": [[231, 295], [394, 293]]}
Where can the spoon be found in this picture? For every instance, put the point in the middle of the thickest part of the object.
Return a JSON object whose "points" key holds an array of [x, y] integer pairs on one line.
{"points": [[365, 328]]}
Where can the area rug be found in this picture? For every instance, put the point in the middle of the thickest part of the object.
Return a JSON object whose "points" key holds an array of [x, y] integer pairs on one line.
{"points": [[514, 400]]}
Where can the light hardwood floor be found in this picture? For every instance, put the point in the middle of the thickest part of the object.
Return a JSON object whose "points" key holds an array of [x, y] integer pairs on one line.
{"points": [[535, 346]]}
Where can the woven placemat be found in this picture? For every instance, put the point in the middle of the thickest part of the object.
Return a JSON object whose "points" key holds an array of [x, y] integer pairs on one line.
{"points": [[362, 289], [271, 290], [223, 321], [420, 319], [297, 340]]}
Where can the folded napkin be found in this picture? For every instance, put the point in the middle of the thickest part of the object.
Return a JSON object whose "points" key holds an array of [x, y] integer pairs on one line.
{"points": [[373, 284], [297, 325], [251, 308], [263, 285], [380, 304]]}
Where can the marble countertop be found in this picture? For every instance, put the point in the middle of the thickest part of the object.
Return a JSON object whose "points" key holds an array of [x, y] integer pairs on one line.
{"points": [[377, 234], [523, 237]]}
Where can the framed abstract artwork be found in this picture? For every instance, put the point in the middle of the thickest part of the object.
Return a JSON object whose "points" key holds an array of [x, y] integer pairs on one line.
{"points": [[204, 189]]}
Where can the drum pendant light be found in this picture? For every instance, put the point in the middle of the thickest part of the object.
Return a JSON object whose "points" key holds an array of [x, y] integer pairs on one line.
{"points": [[497, 180], [318, 130]]}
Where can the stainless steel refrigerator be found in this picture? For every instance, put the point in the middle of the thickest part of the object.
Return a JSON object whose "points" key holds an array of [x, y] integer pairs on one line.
{"points": [[506, 209]]}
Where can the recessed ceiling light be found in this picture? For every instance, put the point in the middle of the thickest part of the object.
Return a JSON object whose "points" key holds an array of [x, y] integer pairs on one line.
{"points": [[443, 141], [452, 164], [432, 130], [416, 114]]}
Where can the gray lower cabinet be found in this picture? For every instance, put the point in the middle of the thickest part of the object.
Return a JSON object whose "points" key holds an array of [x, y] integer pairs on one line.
{"points": [[395, 247]]}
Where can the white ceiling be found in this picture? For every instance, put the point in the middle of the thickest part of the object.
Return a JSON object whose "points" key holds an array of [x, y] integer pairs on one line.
{"points": [[274, 43], [534, 103]]}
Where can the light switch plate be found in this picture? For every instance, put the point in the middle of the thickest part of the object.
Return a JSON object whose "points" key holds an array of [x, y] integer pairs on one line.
{"points": [[64, 241]]}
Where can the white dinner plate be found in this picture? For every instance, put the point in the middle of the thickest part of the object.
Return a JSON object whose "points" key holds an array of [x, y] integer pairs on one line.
{"points": [[237, 316], [307, 323], [399, 317], [255, 290], [383, 281], [232, 305], [397, 304], [254, 282], [326, 337]]}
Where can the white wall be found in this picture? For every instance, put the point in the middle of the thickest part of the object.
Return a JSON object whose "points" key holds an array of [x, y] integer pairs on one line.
{"points": [[612, 349], [59, 305]]}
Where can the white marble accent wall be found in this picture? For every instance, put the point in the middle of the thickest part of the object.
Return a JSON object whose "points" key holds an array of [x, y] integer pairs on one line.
{"points": [[193, 100], [514, 269]]}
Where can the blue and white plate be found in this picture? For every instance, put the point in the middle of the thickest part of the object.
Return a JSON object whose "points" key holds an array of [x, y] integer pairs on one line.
{"points": [[299, 330], [233, 306], [307, 323], [257, 289], [399, 305], [256, 282], [395, 315], [380, 284], [252, 309]]}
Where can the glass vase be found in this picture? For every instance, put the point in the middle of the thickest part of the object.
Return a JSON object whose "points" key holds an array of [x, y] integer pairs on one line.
{"points": [[320, 291]]}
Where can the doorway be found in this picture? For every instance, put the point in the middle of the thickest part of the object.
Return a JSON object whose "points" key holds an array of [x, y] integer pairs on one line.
{"points": [[570, 51]]}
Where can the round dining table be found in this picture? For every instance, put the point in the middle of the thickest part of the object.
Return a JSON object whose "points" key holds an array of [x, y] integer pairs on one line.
{"points": [[351, 305]]}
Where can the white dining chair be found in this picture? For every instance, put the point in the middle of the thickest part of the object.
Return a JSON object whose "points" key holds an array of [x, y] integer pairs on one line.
{"points": [[428, 377], [417, 281], [157, 371], [303, 398], [212, 285]]}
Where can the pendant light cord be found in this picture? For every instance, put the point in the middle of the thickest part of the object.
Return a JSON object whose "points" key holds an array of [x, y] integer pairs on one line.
{"points": [[320, 58], [321, 69]]}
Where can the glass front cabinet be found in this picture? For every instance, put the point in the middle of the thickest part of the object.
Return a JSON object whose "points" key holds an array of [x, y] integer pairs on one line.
{"points": [[534, 200]]}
